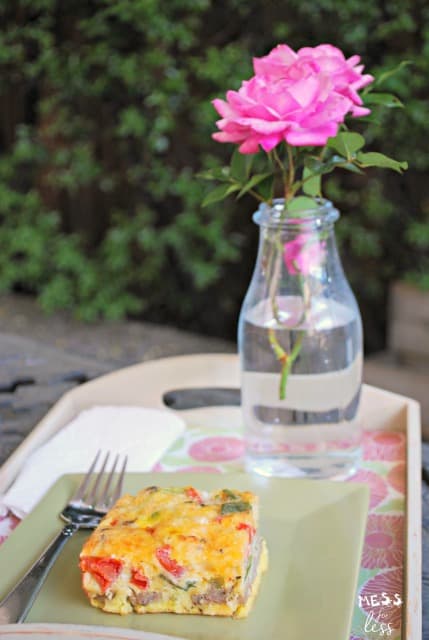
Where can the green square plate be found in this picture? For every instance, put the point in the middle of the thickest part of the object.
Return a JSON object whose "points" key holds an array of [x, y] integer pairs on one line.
{"points": [[314, 531]]}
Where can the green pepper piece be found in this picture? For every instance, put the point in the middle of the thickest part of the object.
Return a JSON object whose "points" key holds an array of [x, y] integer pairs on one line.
{"points": [[189, 584], [234, 507], [229, 494]]}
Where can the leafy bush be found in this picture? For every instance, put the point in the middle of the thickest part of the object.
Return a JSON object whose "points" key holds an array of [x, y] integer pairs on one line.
{"points": [[105, 117]]}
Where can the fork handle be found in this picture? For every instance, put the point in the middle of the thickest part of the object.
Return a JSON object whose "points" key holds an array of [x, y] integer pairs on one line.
{"points": [[18, 602]]}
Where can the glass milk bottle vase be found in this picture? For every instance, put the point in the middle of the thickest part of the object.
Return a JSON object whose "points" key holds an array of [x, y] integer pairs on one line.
{"points": [[300, 344]]}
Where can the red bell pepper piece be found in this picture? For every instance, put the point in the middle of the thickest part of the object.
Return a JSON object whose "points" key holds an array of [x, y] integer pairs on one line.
{"points": [[104, 570], [139, 579], [193, 494], [244, 526], [166, 561]]}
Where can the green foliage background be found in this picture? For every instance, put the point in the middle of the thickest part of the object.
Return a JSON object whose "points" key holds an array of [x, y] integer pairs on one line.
{"points": [[105, 117]]}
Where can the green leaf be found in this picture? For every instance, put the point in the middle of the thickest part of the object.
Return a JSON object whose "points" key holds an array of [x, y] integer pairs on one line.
{"points": [[388, 74], [312, 183], [375, 159], [241, 165], [301, 204], [347, 143], [254, 180], [218, 173], [266, 188], [234, 507], [220, 193], [384, 99], [349, 166], [131, 123], [318, 167]]}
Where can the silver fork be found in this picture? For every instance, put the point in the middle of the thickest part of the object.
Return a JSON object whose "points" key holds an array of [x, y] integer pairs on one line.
{"points": [[86, 507]]}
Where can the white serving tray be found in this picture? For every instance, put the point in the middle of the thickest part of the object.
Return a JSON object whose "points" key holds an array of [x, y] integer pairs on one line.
{"points": [[144, 385]]}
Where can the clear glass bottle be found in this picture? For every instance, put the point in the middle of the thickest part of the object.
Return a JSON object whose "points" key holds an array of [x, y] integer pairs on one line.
{"points": [[300, 345]]}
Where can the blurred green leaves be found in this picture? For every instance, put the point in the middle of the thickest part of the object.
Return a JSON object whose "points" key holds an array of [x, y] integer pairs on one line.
{"points": [[98, 214], [106, 117]]}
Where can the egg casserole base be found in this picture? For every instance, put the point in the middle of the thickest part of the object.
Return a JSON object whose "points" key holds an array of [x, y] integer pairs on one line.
{"points": [[176, 550]]}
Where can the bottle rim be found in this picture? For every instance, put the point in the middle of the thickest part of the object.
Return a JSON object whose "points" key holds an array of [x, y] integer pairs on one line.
{"points": [[274, 215]]}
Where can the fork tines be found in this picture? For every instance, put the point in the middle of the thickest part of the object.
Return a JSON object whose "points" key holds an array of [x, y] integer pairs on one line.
{"points": [[90, 494]]}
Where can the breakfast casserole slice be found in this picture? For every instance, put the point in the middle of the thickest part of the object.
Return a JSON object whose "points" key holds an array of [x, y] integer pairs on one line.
{"points": [[176, 550]]}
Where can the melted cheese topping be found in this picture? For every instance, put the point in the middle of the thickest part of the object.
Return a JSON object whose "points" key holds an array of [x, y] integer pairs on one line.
{"points": [[202, 539]]}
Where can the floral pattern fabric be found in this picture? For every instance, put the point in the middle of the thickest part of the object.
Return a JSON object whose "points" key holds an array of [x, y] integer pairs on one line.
{"points": [[379, 607]]}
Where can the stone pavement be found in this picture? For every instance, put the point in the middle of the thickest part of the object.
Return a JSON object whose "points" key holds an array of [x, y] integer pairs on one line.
{"points": [[42, 357], [117, 343]]}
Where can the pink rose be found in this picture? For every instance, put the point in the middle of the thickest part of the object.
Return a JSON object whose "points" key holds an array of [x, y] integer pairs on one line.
{"points": [[345, 75], [297, 97], [303, 254]]}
